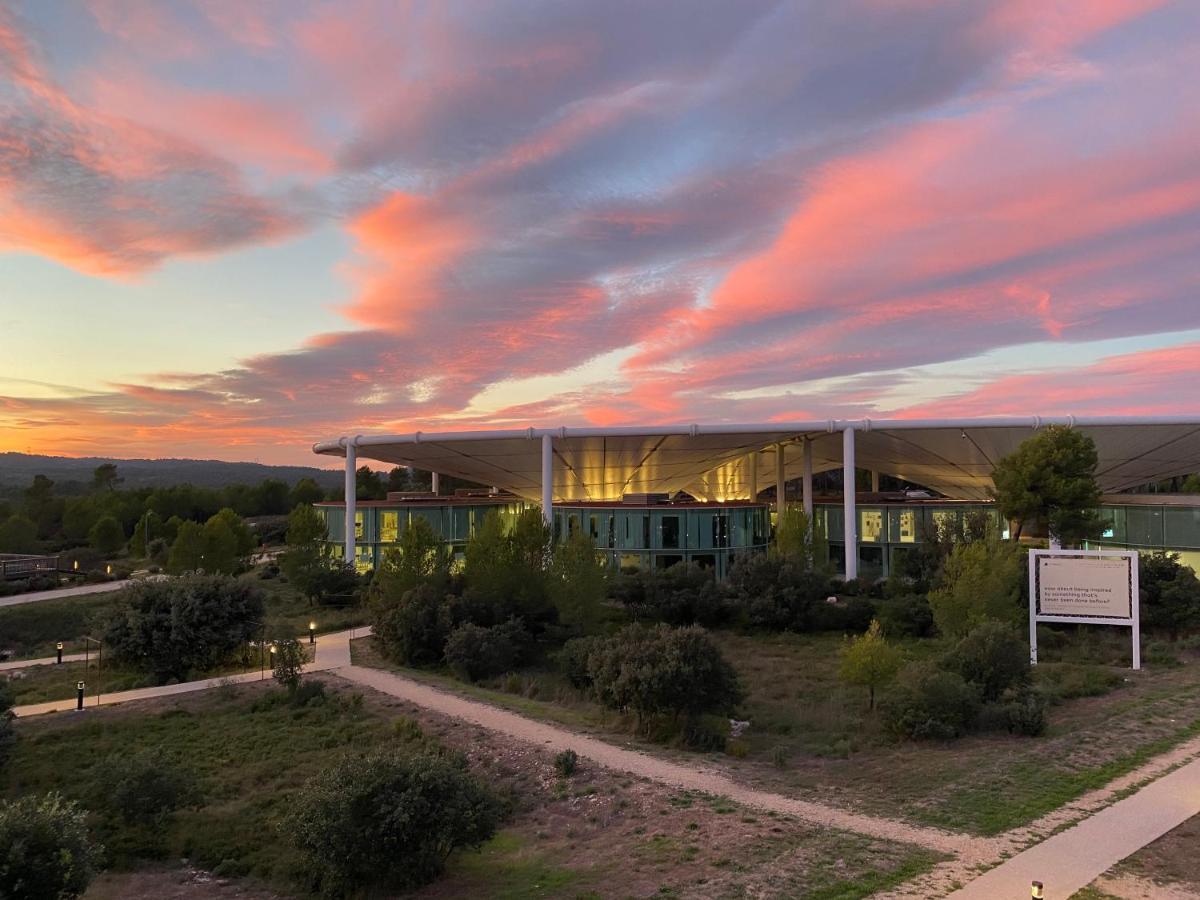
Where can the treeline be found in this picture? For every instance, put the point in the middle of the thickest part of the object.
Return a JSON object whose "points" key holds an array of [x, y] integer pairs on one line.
{"points": [[41, 519]]}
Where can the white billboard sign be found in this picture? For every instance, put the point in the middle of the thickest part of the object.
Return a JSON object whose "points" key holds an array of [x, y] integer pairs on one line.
{"points": [[1099, 587]]}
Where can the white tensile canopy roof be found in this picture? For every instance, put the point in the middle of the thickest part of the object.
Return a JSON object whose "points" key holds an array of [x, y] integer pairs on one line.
{"points": [[713, 462]]}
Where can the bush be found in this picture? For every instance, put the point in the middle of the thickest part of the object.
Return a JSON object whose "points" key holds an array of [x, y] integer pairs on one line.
{"points": [[146, 787], [413, 630], [573, 660], [388, 820], [8, 734], [473, 652], [1170, 594], [928, 702], [288, 662], [566, 763], [681, 595], [906, 615], [1026, 713], [193, 623], [662, 670], [45, 850], [992, 658], [773, 593], [981, 580]]}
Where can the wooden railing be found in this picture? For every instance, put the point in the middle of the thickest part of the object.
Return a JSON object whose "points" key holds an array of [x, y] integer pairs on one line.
{"points": [[16, 566]]}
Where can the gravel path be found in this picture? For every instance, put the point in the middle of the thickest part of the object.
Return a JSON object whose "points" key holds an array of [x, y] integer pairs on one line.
{"points": [[662, 771], [78, 590]]}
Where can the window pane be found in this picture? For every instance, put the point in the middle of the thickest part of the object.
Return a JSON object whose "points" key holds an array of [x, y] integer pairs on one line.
{"points": [[720, 530], [904, 526], [870, 525], [670, 531], [389, 527]]}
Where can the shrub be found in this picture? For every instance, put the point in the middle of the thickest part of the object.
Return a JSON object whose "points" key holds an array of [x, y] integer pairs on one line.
{"points": [[681, 595], [566, 763], [413, 630], [662, 670], [992, 658], [473, 652], [388, 820], [1026, 713], [774, 593], [289, 659], [1170, 594], [869, 660], [146, 786], [573, 660], [981, 580], [906, 615], [928, 702], [8, 734], [45, 850], [170, 628]]}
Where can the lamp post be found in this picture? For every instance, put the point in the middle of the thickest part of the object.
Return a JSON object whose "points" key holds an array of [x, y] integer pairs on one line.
{"points": [[79, 685], [87, 643], [312, 632]]}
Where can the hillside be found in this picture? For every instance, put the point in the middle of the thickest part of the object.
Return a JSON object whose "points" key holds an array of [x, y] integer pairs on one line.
{"points": [[18, 469]]}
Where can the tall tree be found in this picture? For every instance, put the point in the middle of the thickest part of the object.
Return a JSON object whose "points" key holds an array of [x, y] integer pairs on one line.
{"points": [[105, 478], [18, 534], [106, 535], [308, 492], [1051, 478], [369, 485]]}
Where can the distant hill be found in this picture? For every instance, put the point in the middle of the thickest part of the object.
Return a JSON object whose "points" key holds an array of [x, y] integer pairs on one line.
{"points": [[18, 469]]}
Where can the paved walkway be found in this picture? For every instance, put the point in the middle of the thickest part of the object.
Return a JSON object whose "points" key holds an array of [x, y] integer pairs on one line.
{"points": [[332, 651], [44, 661], [77, 590], [1072, 859]]}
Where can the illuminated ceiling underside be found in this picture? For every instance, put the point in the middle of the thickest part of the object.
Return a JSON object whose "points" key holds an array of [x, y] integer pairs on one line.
{"points": [[955, 457]]}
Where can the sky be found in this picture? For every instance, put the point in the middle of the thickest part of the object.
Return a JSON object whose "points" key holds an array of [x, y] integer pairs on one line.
{"points": [[229, 229]]}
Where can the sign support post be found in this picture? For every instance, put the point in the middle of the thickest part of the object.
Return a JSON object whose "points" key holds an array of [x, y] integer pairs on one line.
{"points": [[1087, 587]]}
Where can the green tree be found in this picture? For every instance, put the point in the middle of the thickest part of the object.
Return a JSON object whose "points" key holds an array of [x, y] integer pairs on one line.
{"points": [[412, 629], [305, 560], [420, 555], [243, 536], [578, 581], [18, 535], [274, 497], [43, 507], [388, 820], [105, 478], [307, 492], [869, 660], [797, 539], [369, 485], [187, 550], [980, 581], [148, 527], [289, 658], [1051, 477], [193, 623], [220, 546], [106, 536], [45, 849]]}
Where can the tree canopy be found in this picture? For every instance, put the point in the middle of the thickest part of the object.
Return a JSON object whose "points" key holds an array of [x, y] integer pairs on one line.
{"points": [[1051, 478]]}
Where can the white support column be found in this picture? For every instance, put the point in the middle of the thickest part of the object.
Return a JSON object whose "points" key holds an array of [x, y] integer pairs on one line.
{"points": [[874, 482], [752, 475], [780, 480], [434, 485], [351, 497], [849, 507], [808, 473], [548, 480]]}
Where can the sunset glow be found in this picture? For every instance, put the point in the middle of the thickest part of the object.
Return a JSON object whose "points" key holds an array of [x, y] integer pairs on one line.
{"points": [[229, 229]]}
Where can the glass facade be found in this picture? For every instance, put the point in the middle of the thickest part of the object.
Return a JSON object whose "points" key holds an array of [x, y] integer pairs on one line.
{"points": [[1146, 526]]}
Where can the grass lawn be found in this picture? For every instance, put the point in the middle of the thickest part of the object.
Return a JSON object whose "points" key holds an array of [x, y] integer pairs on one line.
{"points": [[1170, 861], [598, 834], [813, 737]]}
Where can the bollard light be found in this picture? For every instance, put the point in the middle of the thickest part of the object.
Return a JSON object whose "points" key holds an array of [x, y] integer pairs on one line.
{"points": [[1036, 890], [79, 696], [108, 569], [76, 566], [312, 632], [58, 647]]}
